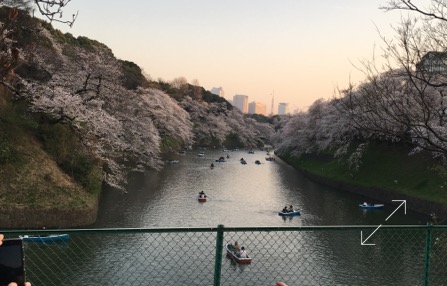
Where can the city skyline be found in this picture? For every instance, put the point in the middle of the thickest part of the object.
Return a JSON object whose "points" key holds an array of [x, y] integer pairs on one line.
{"points": [[257, 109], [303, 51]]}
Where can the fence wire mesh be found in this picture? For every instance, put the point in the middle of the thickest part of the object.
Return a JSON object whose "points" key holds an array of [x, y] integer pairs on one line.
{"points": [[398, 255]]}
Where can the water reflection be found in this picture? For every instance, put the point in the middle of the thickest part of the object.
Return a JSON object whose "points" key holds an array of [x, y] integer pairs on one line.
{"points": [[239, 195]]}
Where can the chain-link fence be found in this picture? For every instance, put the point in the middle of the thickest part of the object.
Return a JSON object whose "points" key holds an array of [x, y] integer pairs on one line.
{"points": [[391, 255]]}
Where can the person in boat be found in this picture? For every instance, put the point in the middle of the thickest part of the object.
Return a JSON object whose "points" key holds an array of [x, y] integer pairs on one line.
{"points": [[365, 204], [202, 194], [236, 249], [285, 210], [243, 253], [290, 208]]}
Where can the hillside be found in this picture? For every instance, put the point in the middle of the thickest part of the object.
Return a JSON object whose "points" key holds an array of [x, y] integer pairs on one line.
{"points": [[34, 190], [76, 118]]}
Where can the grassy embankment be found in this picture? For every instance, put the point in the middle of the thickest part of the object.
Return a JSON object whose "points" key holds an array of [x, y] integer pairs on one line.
{"points": [[32, 163], [385, 166]]}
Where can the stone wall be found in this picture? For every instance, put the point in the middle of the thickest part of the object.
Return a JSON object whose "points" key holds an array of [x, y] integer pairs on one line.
{"points": [[24, 218]]}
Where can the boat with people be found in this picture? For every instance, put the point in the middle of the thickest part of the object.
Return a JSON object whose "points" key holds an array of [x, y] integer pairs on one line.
{"points": [[172, 161], [289, 213], [232, 254], [201, 197], [257, 162], [271, 159], [366, 205], [46, 238]]}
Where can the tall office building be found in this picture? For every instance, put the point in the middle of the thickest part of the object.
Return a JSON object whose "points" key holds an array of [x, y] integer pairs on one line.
{"points": [[241, 102], [283, 108], [256, 108]]}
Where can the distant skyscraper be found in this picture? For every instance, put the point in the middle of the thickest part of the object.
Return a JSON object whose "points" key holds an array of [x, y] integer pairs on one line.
{"points": [[241, 102], [256, 108], [283, 108], [218, 91]]}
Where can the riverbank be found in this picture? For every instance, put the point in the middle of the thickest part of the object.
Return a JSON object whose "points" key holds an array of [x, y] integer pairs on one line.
{"points": [[387, 173], [36, 193]]}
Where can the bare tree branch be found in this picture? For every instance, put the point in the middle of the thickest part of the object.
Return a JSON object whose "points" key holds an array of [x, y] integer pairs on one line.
{"points": [[53, 10]]}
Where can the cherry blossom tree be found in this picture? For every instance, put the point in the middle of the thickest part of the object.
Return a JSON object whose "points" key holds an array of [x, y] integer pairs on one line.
{"points": [[324, 126], [406, 100], [80, 83], [84, 88], [15, 13], [215, 122]]}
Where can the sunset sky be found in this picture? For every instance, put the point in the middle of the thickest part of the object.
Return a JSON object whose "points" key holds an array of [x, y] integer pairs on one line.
{"points": [[299, 51]]}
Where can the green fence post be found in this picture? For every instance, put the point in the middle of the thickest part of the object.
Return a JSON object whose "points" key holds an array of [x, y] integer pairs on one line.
{"points": [[218, 261], [427, 255]]}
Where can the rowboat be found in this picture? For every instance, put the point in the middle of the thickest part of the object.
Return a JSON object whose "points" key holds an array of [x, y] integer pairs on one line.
{"points": [[46, 238], [232, 255], [201, 199], [292, 213], [371, 206]]}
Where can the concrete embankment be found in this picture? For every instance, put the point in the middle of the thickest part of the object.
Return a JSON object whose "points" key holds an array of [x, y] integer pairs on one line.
{"points": [[26, 218]]}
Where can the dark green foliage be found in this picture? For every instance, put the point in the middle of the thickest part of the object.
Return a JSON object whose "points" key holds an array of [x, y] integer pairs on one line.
{"points": [[169, 144], [209, 141], [33, 72], [8, 153], [15, 120], [63, 144], [190, 90], [211, 97], [260, 118], [233, 140], [87, 172], [14, 123], [384, 166], [132, 75], [70, 41]]}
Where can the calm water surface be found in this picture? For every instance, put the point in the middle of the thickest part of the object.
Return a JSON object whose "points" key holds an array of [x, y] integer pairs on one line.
{"points": [[239, 196]]}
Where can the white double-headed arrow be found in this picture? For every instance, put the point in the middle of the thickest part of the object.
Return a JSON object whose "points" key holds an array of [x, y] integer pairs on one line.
{"points": [[363, 242]]}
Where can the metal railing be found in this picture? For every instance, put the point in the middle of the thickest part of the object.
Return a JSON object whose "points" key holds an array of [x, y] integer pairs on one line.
{"points": [[314, 255]]}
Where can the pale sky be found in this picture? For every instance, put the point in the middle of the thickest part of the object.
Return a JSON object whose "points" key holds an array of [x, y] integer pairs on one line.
{"points": [[299, 50]]}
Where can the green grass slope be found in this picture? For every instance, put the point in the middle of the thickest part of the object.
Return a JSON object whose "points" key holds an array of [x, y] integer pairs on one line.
{"points": [[29, 176], [384, 166]]}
